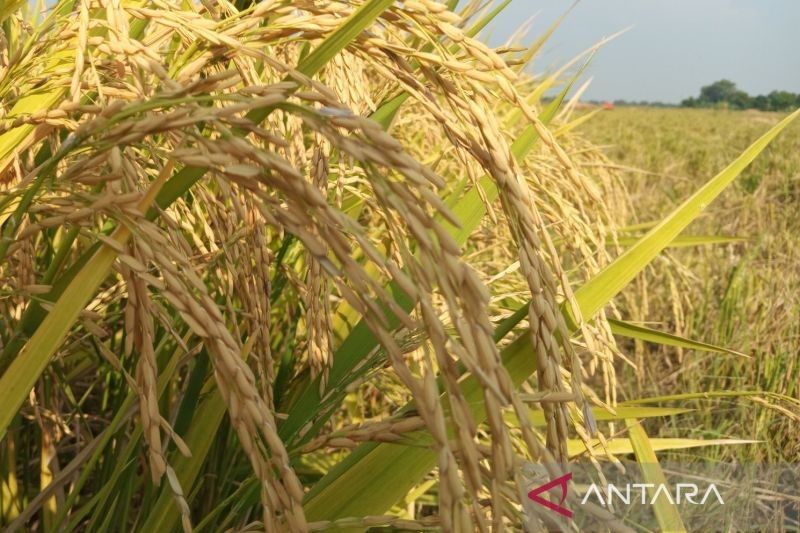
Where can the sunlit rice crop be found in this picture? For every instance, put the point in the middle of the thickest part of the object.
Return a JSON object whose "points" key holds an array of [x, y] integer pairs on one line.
{"points": [[300, 265]]}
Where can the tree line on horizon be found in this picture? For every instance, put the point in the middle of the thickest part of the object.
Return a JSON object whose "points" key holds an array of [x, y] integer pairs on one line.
{"points": [[724, 94]]}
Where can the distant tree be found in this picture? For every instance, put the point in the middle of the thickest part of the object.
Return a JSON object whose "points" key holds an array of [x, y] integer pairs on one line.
{"points": [[740, 100], [718, 92], [723, 93], [761, 102], [781, 100]]}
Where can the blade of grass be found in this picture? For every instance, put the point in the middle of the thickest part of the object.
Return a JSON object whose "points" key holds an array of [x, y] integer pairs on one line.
{"points": [[247, 490], [625, 329]]}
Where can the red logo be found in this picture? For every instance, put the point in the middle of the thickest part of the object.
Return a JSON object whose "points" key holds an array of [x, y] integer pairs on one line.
{"points": [[558, 482]]}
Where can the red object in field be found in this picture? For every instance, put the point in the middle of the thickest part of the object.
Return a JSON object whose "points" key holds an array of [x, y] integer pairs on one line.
{"points": [[608, 105]]}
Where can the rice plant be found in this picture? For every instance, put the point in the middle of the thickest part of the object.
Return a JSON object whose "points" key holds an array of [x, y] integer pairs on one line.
{"points": [[294, 266]]}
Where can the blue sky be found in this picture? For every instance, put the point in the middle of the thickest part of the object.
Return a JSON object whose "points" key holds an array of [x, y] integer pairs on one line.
{"points": [[674, 46]]}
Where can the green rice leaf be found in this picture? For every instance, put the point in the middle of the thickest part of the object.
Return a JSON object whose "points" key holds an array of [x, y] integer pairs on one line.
{"points": [[536, 416], [571, 125], [708, 395], [360, 20], [686, 241], [635, 331], [622, 446], [669, 519]]}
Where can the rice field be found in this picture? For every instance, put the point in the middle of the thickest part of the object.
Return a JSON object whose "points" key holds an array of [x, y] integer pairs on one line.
{"points": [[303, 266], [740, 294]]}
